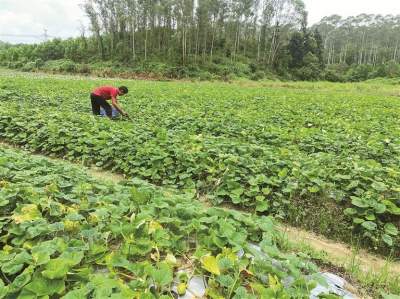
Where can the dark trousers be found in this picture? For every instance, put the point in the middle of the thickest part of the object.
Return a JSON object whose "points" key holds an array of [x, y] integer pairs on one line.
{"points": [[97, 102]]}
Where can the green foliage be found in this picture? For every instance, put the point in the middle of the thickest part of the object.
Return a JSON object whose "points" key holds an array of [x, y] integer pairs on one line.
{"points": [[129, 240], [306, 55], [359, 73], [258, 75], [29, 66], [270, 149], [60, 66], [335, 72], [345, 39]]}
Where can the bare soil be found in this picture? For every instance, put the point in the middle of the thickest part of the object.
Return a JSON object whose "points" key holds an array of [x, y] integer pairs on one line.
{"points": [[340, 253]]}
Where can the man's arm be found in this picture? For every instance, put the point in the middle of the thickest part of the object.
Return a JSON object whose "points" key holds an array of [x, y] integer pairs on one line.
{"points": [[116, 106]]}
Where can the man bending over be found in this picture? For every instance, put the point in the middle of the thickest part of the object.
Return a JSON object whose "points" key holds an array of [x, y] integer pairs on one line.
{"points": [[101, 95]]}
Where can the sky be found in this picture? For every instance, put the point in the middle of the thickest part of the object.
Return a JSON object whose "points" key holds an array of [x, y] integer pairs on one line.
{"points": [[320, 8], [63, 18]]}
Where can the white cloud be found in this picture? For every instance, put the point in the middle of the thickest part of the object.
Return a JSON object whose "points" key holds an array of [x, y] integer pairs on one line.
{"points": [[22, 18], [62, 17], [320, 8]]}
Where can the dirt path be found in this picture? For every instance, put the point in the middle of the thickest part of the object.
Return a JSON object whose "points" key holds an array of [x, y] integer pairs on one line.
{"points": [[95, 172], [341, 254]]}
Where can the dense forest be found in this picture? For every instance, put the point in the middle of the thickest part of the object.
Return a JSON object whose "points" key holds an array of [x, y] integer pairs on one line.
{"points": [[218, 39]]}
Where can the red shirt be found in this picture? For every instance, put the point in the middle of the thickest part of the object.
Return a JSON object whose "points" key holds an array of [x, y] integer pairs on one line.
{"points": [[106, 92]]}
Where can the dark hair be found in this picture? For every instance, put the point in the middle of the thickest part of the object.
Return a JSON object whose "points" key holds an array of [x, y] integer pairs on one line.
{"points": [[123, 89]]}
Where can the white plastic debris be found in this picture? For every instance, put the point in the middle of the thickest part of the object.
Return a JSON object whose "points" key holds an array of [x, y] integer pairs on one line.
{"points": [[264, 256], [196, 288], [336, 285], [240, 253], [258, 249]]}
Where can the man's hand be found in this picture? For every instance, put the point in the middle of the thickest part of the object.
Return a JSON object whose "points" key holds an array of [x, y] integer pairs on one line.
{"points": [[126, 115], [116, 106]]}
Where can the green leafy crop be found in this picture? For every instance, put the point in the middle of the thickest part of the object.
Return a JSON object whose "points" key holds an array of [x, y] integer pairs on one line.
{"points": [[64, 234], [324, 156]]}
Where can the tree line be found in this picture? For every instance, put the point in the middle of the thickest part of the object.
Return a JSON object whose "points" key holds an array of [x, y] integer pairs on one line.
{"points": [[223, 38], [193, 31], [364, 39]]}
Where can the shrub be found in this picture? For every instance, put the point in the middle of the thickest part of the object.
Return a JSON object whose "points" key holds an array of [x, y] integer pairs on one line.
{"points": [[257, 76], [359, 73], [389, 70], [83, 69], [227, 77], [253, 67], [177, 72], [206, 76], [307, 73], [239, 69], [29, 66], [332, 76], [61, 65], [15, 64], [39, 63], [335, 72]]}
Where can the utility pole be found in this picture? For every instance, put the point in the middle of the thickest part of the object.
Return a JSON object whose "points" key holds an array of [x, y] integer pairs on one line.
{"points": [[45, 35]]}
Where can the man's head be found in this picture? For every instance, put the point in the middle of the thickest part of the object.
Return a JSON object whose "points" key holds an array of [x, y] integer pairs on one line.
{"points": [[123, 90]]}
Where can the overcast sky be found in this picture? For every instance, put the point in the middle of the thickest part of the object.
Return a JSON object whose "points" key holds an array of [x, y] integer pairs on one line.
{"points": [[62, 18]]}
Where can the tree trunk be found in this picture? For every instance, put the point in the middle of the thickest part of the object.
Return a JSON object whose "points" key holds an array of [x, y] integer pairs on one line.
{"points": [[259, 45], [197, 46], [205, 45], [395, 52], [212, 41], [133, 39], [145, 44]]}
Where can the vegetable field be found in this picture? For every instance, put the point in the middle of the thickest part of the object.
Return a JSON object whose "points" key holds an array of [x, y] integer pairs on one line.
{"points": [[66, 235], [322, 156]]}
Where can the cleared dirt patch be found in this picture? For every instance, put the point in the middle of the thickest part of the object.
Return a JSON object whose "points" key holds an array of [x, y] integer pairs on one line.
{"points": [[105, 175]]}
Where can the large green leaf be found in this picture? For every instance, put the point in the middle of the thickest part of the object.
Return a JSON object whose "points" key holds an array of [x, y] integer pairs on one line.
{"points": [[81, 293], [21, 280], [59, 267], [162, 274], [3, 289], [41, 286], [369, 225], [387, 239], [379, 186], [41, 254], [391, 229], [392, 207], [262, 206], [26, 213], [17, 263], [350, 211], [358, 202], [210, 264]]}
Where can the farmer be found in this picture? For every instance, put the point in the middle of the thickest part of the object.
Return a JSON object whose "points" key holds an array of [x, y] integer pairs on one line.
{"points": [[101, 95]]}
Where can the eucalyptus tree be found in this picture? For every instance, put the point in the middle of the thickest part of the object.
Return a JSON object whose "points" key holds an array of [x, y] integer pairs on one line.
{"points": [[363, 39]]}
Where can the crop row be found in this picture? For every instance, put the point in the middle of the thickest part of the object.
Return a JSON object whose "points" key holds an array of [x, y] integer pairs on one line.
{"points": [[366, 127], [65, 234]]}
